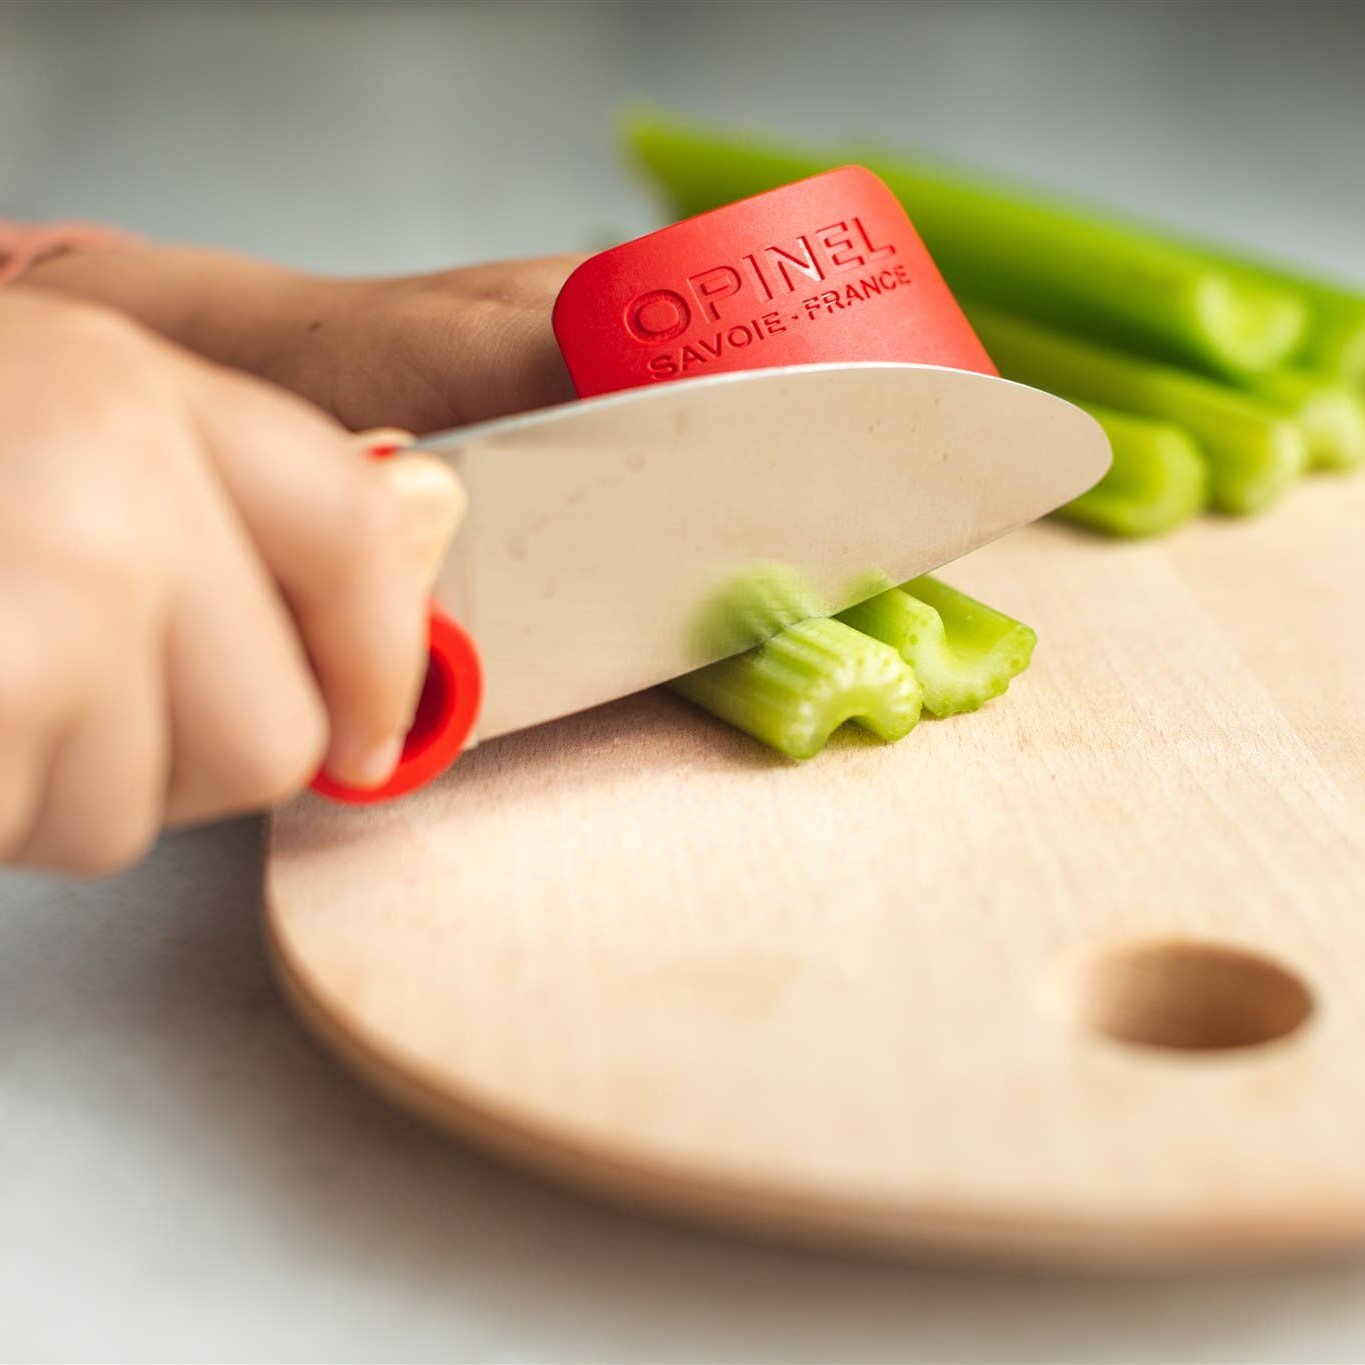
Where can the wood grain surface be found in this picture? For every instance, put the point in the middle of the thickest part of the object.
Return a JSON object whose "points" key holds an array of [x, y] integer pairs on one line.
{"points": [[980, 992]]}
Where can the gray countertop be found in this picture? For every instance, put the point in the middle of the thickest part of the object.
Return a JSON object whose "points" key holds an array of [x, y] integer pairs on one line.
{"points": [[182, 1174]]}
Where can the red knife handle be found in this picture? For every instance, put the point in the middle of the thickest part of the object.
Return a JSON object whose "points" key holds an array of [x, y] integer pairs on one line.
{"points": [[445, 716], [446, 713]]}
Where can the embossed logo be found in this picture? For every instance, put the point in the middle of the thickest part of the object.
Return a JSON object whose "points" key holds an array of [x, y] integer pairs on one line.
{"points": [[770, 274]]}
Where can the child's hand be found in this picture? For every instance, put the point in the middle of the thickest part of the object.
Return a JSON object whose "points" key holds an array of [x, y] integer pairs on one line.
{"points": [[204, 590], [425, 353]]}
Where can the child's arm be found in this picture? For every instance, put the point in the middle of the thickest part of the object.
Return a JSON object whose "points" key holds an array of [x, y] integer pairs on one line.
{"points": [[205, 591], [425, 352]]}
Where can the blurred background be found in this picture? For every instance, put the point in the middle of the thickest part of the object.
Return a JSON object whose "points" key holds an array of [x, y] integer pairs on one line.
{"points": [[357, 137], [182, 1175]]}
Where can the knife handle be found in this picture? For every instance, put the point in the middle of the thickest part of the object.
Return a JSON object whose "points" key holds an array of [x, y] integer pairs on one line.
{"points": [[446, 710], [445, 715]]}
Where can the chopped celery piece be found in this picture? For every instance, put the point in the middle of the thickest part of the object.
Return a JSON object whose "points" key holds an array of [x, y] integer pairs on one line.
{"points": [[963, 652], [794, 691], [1254, 452], [752, 605], [1329, 411], [1068, 266], [1158, 478]]}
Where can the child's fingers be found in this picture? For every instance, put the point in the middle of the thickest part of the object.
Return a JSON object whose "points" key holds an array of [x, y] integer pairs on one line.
{"points": [[430, 494], [106, 786], [24, 758], [331, 532], [67, 639], [432, 504], [248, 724], [382, 442], [29, 714]]}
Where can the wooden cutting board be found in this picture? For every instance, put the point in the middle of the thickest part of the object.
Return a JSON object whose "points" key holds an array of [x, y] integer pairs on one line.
{"points": [[1072, 979]]}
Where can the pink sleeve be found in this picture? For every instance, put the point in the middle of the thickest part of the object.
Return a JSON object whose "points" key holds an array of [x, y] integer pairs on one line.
{"points": [[24, 244]]}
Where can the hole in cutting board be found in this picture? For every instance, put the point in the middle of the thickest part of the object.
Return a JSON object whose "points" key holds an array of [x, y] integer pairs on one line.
{"points": [[1190, 996]]}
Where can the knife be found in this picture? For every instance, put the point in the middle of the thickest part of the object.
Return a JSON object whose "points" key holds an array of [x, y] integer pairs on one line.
{"points": [[617, 541]]}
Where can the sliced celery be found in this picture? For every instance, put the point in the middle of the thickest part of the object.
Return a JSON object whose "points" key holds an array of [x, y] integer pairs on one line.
{"points": [[963, 652], [1330, 413], [1254, 451], [1071, 267], [1158, 478], [794, 691], [751, 606]]}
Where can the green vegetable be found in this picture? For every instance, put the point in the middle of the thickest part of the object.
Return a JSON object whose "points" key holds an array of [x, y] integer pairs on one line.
{"points": [[1254, 452], [1329, 412], [963, 652], [794, 691], [1335, 340], [1072, 268], [751, 606], [1158, 478]]}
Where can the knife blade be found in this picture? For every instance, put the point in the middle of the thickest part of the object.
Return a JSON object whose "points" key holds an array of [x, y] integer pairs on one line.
{"points": [[613, 543]]}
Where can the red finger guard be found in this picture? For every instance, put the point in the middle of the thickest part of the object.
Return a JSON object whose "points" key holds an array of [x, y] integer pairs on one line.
{"points": [[828, 269]]}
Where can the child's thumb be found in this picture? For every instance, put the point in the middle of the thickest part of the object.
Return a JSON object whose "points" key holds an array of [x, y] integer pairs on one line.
{"points": [[431, 497]]}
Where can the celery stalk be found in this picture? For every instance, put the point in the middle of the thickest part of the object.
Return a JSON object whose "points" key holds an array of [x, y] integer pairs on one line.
{"points": [[1254, 451], [795, 690], [1056, 262], [1335, 340], [1158, 478], [1328, 410], [963, 652]]}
